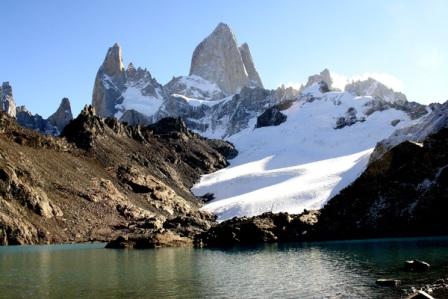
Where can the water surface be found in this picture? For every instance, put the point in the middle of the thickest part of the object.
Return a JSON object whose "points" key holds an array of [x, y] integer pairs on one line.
{"points": [[346, 269]]}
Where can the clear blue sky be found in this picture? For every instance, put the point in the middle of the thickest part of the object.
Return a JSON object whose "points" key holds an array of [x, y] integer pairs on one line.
{"points": [[52, 49]]}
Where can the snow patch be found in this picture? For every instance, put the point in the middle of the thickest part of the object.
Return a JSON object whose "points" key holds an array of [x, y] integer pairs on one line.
{"points": [[134, 100]]}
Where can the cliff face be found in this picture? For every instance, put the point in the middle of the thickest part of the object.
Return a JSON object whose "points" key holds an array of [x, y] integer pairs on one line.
{"points": [[109, 83], [102, 179], [219, 60], [7, 103]]}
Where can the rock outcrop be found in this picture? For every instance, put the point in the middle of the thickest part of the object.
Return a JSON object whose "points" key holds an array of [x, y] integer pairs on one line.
{"points": [[429, 124], [323, 77], [8, 105], [103, 179], [252, 73], [62, 116], [266, 228], [271, 117], [219, 60], [350, 118]]}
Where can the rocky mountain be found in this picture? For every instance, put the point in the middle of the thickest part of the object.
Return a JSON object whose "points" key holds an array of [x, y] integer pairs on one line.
{"points": [[219, 60], [50, 126], [7, 102], [35, 122], [117, 89], [208, 99], [62, 116], [323, 78], [104, 179], [287, 135]]}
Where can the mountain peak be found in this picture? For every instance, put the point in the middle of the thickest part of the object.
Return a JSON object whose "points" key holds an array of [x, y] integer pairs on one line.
{"points": [[376, 89], [323, 77], [62, 116], [7, 103], [219, 60], [253, 76], [113, 62], [223, 29]]}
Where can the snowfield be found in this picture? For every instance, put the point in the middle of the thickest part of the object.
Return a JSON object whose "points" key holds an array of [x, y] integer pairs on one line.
{"points": [[301, 163], [134, 100]]}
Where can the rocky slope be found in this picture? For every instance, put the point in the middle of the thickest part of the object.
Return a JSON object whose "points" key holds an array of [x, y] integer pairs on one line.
{"points": [[402, 191], [103, 179]]}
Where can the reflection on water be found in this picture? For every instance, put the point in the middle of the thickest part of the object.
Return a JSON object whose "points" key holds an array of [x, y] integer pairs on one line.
{"points": [[309, 270]]}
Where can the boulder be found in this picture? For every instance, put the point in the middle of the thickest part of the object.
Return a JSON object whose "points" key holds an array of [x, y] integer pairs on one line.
{"points": [[416, 266], [270, 117]]}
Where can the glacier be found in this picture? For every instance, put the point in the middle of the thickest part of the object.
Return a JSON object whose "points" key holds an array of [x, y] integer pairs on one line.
{"points": [[302, 163]]}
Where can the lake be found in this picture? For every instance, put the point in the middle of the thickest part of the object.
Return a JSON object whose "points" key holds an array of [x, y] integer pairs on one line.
{"points": [[343, 269]]}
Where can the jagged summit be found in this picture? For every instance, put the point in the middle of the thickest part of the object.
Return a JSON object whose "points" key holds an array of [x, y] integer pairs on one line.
{"points": [[219, 60], [118, 89], [7, 102], [253, 76], [376, 89], [323, 76], [113, 62], [62, 116]]}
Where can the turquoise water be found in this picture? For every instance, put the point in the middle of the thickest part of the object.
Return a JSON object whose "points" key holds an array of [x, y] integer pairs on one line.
{"points": [[309, 270]]}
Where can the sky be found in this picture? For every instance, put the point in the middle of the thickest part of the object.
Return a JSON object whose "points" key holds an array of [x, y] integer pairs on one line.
{"points": [[52, 49]]}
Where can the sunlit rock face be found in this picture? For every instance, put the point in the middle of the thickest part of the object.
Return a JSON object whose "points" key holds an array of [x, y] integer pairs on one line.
{"points": [[109, 82], [7, 102], [219, 60]]}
